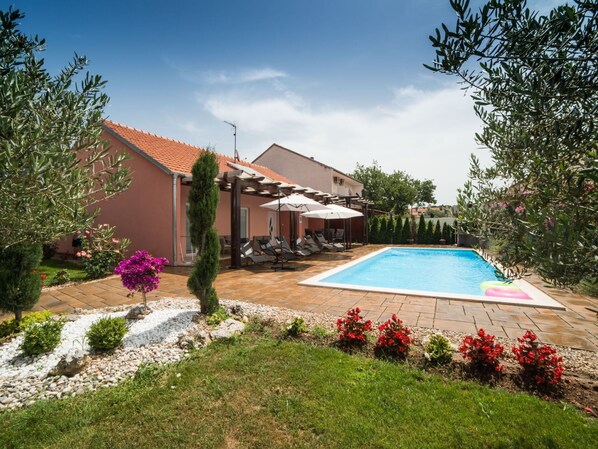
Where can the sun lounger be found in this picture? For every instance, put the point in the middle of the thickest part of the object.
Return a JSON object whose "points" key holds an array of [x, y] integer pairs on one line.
{"points": [[332, 246], [303, 247], [248, 253], [267, 248], [287, 248], [312, 245]]}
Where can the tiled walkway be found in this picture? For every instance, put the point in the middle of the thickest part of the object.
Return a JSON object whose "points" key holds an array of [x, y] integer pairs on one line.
{"points": [[575, 327]]}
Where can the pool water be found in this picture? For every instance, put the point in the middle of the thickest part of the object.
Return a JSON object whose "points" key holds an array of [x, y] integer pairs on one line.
{"points": [[432, 270]]}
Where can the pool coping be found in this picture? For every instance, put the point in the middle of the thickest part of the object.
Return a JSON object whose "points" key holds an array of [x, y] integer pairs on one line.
{"points": [[539, 298]]}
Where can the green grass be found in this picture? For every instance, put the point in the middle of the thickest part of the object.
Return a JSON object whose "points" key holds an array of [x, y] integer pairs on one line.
{"points": [[51, 267], [263, 393]]}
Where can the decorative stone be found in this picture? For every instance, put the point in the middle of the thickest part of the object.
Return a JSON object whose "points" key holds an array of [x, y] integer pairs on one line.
{"points": [[69, 365], [138, 312], [228, 328]]}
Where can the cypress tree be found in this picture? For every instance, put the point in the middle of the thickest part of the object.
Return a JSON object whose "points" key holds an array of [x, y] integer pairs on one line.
{"points": [[383, 226], [398, 231], [430, 233], [374, 229], [390, 228], [406, 232], [203, 201], [20, 285], [437, 233], [421, 231], [445, 233]]}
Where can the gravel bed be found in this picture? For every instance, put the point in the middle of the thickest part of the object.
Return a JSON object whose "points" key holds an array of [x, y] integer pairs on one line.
{"points": [[155, 340]]}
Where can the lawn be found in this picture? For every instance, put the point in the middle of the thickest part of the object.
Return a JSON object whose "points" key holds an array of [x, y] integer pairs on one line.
{"points": [[264, 393], [50, 267]]}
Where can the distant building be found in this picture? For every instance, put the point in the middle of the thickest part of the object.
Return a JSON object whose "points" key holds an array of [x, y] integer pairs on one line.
{"points": [[309, 172]]}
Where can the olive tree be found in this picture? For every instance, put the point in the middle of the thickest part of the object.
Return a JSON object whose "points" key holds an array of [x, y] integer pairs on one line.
{"points": [[54, 165], [534, 83]]}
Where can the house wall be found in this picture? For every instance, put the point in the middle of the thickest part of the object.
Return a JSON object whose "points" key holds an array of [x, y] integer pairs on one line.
{"points": [[303, 171], [142, 213]]}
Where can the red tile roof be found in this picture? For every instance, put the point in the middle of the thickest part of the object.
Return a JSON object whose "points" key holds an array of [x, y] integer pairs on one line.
{"points": [[179, 156]]}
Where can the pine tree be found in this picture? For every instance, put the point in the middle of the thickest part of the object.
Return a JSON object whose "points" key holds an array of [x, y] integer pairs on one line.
{"points": [[437, 233], [407, 234], [20, 284], [203, 201], [445, 233], [398, 231], [374, 229], [383, 227], [430, 233], [421, 231]]}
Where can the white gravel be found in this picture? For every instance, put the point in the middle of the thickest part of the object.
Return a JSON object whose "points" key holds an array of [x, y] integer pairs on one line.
{"points": [[155, 340]]}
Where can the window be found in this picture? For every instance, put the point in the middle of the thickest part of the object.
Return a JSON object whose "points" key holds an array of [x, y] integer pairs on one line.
{"points": [[188, 245], [244, 223]]}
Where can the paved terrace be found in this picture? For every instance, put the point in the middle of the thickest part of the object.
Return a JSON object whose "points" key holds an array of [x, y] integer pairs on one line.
{"points": [[575, 327]]}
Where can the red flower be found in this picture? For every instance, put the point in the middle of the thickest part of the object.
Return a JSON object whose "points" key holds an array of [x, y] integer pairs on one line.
{"points": [[482, 351], [394, 338], [540, 363], [352, 328]]}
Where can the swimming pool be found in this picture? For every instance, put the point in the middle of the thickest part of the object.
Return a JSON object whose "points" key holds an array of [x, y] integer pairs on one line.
{"points": [[437, 272]]}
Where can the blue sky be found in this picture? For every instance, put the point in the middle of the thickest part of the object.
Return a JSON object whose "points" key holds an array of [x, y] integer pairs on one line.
{"points": [[340, 80]]}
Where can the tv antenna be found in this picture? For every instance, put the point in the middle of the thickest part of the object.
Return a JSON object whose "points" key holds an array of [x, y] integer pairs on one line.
{"points": [[234, 126]]}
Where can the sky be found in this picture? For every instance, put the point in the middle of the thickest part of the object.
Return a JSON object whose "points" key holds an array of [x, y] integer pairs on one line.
{"points": [[340, 80]]}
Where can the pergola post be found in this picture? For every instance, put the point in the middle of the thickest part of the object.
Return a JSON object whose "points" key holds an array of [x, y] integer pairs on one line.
{"points": [[365, 223], [349, 231], [235, 223]]}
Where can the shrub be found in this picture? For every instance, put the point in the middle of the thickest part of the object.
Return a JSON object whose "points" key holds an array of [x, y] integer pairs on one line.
{"points": [[61, 277], [12, 327], [217, 317], [394, 339], [407, 235], [352, 328], [319, 332], [203, 202], [8, 328], [42, 337], [107, 333], [100, 251], [49, 250], [540, 363], [421, 231], [296, 327], [139, 273], [20, 284], [438, 349], [482, 351]]}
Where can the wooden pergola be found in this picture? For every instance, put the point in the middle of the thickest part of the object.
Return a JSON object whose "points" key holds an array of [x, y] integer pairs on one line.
{"points": [[249, 182]]}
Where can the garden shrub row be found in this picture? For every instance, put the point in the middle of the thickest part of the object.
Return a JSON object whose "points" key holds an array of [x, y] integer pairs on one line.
{"points": [[396, 230], [540, 363]]}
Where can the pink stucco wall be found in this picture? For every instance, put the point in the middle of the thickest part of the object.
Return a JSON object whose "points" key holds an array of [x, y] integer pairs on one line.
{"points": [[143, 213]]}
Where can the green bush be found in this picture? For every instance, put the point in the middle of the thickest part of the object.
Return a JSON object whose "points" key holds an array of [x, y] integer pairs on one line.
{"points": [[217, 317], [107, 333], [41, 338], [295, 327], [421, 231], [20, 286], [438, 349], [12, 327], [61, 277], [406, 232], [8, 328]]}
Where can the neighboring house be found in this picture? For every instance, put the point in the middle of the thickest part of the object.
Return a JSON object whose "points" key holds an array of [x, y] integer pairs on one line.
{"points": [[153, 211], [310, 172]]}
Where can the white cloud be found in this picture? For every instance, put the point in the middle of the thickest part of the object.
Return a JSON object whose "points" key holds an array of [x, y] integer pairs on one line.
{"points": [[243, 76], [427, 133]]}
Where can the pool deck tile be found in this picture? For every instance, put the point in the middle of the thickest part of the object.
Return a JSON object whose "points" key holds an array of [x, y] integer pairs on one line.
{"points": [[575, 327]]}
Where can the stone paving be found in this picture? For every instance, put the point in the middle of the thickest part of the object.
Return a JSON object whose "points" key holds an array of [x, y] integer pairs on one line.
{"points": [[575, 327]]}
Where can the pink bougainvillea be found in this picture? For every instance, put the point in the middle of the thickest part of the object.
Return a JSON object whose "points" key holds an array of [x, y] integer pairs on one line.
{"points": [[139, 273]]}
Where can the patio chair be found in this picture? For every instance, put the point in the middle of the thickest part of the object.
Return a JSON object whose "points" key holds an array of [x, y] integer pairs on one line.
{"points": [[248, 253], [287, 248], [312, 245], [305, 248], [332, 246], [339, 236], [267, 248]]}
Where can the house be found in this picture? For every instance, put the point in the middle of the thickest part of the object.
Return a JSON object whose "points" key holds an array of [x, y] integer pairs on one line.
{"points": [[153, 211], [309, 171]]}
